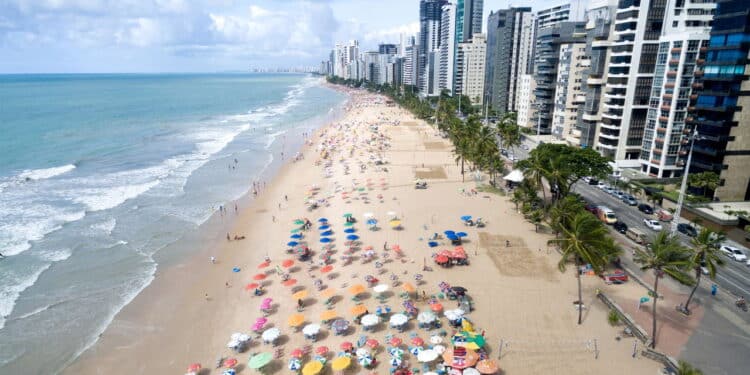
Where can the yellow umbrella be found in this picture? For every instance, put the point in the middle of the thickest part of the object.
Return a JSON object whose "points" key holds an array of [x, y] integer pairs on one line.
{"points": [[312, 368], [408, 288], [296, 320], [327, 293], [358, 310], [302, 294], [395, 223], [341, 363], [467, 326], [329, 314], [357, 289]]}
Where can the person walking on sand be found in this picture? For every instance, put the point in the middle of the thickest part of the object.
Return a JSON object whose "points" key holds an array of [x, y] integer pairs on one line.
{"points": [[229, 238], [507, 243], [213, 259]]}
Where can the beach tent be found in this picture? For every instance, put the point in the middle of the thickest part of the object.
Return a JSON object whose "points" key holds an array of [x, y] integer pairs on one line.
{"points": [[514, 176]]}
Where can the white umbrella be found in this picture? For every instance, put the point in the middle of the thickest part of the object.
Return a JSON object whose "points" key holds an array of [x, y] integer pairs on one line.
{"points": [[398, 319], [370, 320], [368, 215], [436, 339], [427, 317], [439, 349], [471, 371], [454, 314], [391, 213], [232, 344], [362, 352], [427, 355], [271, 334], [311, 329], [380, 288], [515, 176]]}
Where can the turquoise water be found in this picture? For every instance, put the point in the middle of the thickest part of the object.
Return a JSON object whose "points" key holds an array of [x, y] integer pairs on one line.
{"points": [[100, 174]]}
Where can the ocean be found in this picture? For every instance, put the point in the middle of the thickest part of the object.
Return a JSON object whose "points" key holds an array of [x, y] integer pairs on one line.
{"points": [[100, 177]]}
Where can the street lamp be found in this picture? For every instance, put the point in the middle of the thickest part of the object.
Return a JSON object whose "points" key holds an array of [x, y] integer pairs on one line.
{"points": [[681, 199]]}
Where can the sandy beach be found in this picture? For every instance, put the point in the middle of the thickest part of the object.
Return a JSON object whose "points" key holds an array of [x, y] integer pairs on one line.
{"points": [[522, 303]]}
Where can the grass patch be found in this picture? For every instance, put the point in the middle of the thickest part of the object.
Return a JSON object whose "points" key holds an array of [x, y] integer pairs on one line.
{"points": [[490, 189]]}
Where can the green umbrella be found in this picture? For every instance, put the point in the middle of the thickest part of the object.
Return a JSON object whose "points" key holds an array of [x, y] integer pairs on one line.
{"points": [[348, 224], [347, 214], [295, 230], [298, 222], [361, 189], [259, 360]]}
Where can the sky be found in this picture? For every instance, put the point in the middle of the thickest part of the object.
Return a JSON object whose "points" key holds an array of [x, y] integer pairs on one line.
{"points": [[99, 36]]}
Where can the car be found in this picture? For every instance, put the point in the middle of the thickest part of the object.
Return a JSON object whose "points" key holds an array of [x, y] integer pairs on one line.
{"points": [[620, 227], [617, 276], [652, 224], [593, 181], [590, 208], [734, 253], [607, 189], [646, 209], [618, 194], [525, 147], [586, 179], [704, 269], [630, 200], [503, 152], [687, 229], [601, 185]]}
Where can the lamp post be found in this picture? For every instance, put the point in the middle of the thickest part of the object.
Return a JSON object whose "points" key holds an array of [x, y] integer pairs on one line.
{"points": [[681, 198]]}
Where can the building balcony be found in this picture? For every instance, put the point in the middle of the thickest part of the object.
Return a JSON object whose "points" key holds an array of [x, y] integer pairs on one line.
{"points": [[672, 74], [655, 161], [614, 116], [594, 81], [656, 151], [609, 136], [669, 85], [606, 146], [600, 43], [665, 107], [674, 62], [659, 140], [589, 117], [698, 73], [667, 97], [675, 50], [696, 85], [663, 118]]}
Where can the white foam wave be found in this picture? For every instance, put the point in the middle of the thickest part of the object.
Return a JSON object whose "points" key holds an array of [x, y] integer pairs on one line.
{"points": [[106, 226], [55, 255], [19, 226], [99, 199], [43, 174], [9, 292]]}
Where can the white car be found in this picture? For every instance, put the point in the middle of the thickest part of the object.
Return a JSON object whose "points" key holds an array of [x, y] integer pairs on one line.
{"points": [[601, 185], [734, 253], [653, 224]]}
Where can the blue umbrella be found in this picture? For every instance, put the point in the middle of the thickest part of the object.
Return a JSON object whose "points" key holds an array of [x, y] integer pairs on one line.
{"points": [[461, 234], [296, 236], [349, 230], [432, 244], [372, 222], [324, 227], [327, 233], [236, 269], [292, 243], [466, 217], [352, 237], [324, 220], [452, 237], [325, 240], [449, 233]]}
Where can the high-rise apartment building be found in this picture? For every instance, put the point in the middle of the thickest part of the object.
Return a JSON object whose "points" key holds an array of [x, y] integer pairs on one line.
{"points": [[686, 31], [411, 51], [525, 100], [447, 47], [471, 64], [720, 104], [571, 11], [430, 12], [387, 49], [510, 34], [468, 19], [569, 94]]}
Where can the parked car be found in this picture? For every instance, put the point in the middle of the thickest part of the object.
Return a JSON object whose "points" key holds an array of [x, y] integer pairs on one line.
{"points": [[687, 229], [601, 185], [646, 209], [652, 224], [704, 269], [590, 208], [630, 200], [593, 181], [618, 194], [734, 253], [620, 227], [664, 215], [617, 276], [525, 147]]}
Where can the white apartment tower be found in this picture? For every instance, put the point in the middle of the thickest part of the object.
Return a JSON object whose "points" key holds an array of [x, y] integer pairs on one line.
{"points": [[568, 93], [447, 46], [471, 64], [566, 12]]}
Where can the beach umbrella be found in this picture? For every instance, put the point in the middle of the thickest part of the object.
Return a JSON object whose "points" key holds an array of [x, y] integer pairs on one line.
{"points": [[295, 364], [340, 325], [436, 307], [380, 288], [290, 282], [230, 362], [327, 233], [259, 360], [461, 234], [442, 259], [349, 230], [352, 237], [287, 263], [452, 237], [487, 366], [394, 223], [324, 227], [398, 319], [326, 268], [455, 314], [348, 224], [264, 265], [358, 310], [261, 321], [346, 345], [371, 222], [396, 352], [468, 358], [328, 315], [471, 371], [368, 215], [271, 334], [466, 218], [426, 356], [229, 371], [326, 240], [440, 349], [370, 320], [297, 353], [312, 368], [195, 367], [322, 220], [341, 363], [408, 288], [395, 362], [296, 236], [372, 343], [362, 352], [311, 329], [348, 214], [302, 294], [417, 341], [321, 350], [356, 289], [449, 233], [295, 230], [259, 277], [459, 289], [251, 286], [327, 293], [299, 222], [292, 243], [435, 339], [426, 317], [432, 244]]}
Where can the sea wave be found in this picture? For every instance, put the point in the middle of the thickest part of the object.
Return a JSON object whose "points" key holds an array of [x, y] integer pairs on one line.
{"points": [[12, 287], [42, 174]]}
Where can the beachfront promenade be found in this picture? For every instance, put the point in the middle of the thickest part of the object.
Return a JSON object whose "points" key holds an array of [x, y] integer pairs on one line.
{"points": [[365, 164]]}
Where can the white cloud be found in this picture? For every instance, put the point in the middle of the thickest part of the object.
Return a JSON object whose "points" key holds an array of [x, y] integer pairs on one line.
{"points": [[392, 34]]}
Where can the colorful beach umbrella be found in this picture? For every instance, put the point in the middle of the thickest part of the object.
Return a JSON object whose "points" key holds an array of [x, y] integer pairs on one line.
{"points": [[296, 236], [295, 230], [466, 218], [348, 224], [312, 368], [356, 289], [326, 269], [287, 263], [346, 215], [349, 230], [487, 366], [251, 286], [259, 277], [324, 227], [299, 222], [321, 350], [358, 310], [297, 353], [292, 243], [326, 240], [327, 233], [230, 362], [259, 360], [264, 265], [322, 220], [341, 363], [328, 315], [290, 282], [302, 294], [346, 345], [352, 237], [195, 367], [408, 288], [372, 343]]}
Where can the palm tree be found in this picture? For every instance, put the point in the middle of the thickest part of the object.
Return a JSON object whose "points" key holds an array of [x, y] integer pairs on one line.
{"points": [[684, 368], [666, 256], [561, 214], [705, 254], [535, 170], [585, 241], [536, 217]]}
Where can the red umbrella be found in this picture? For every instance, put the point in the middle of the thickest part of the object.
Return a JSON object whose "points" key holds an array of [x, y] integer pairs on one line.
{"points": [[396, 247], [372, 343], [321, 350], [326, 269], [290, 282], [260, 276], [297, 353], [436, 307], [395, 341], [251, 286], [264, 265], [417, 341], [230, 362], [287, 263], [195, 367], [346, 345], [369, 247], [441, 259]]}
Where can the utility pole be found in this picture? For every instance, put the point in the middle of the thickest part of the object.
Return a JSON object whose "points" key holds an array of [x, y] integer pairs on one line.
{"points": [[681, 199]]}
